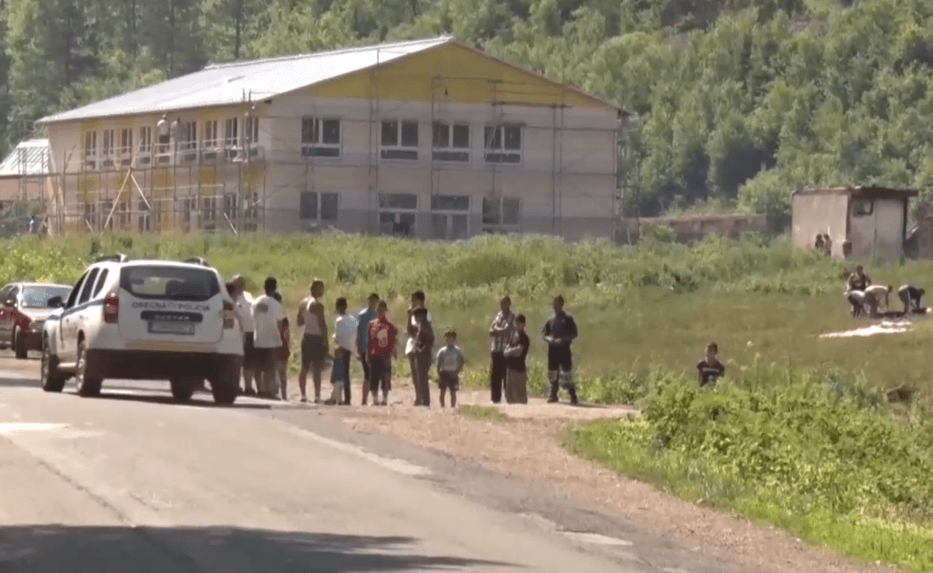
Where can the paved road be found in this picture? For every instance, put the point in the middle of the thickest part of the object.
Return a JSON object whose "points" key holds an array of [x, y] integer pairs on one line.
{"points": [[131, 477]]}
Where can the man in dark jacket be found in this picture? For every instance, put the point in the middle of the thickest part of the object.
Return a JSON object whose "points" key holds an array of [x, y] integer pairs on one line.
{"points": [[559, 333]]}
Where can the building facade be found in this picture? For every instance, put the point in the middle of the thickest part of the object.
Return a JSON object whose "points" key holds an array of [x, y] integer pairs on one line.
{"points": [[432, 139], [862, 222]]}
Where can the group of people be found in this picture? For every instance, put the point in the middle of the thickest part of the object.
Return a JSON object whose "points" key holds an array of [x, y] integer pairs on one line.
{"points": [[863, 296], [372, 338]]}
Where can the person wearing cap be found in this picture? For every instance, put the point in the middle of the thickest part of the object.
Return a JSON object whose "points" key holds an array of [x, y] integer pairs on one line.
{"points": [[314, 345], [243, 304]]}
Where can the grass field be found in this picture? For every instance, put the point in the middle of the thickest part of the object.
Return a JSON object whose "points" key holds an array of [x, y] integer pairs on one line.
{"points": [[799, 434]]}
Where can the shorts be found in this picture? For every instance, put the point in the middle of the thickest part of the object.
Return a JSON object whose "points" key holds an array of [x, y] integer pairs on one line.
{"points": [[448, 381], [559, 358], [265, 359], [313, 351], [249, 352], [380, 374]]}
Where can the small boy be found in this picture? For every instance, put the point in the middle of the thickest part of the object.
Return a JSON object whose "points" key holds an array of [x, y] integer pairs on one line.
{"points": [[449, 365], [710, 369], [381, 349]]}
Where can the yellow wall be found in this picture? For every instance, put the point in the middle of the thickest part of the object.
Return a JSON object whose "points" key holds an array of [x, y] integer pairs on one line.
{"points": [[459, 68]]}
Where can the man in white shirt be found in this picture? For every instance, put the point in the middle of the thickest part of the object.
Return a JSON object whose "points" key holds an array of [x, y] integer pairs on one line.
{"points": [[345, 341], [268, 321], [243, 304], [163, 129]]}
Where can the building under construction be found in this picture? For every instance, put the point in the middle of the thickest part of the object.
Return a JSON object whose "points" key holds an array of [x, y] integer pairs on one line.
{"points": [[427, 138]]}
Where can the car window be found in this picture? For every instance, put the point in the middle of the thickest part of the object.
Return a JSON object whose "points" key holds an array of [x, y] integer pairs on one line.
{"points": [[5, 291], [74, 292], [38, 296], [14, 292], [88, 286], [174, 283], [101, 280]]}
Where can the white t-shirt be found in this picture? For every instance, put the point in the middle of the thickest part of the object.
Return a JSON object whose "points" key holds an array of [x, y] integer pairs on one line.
{"points": [[267, 312], [244, 311], [345, 331]]}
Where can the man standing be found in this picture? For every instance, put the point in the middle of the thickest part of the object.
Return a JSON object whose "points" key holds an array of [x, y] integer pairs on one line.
{"points": [[500, 332], [162, 127], [243, 302], [269, 320], [363, 318], [418, 300], [559, 333], [345, 341], [424, 352], [381, 349], [314, 343]]}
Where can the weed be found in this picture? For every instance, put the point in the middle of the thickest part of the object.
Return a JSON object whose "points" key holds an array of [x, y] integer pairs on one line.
{"points": [[487, 413]]}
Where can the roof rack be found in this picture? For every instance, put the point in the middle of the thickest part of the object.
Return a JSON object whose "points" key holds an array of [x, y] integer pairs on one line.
{"points": [[117, 258], [196, 261]]}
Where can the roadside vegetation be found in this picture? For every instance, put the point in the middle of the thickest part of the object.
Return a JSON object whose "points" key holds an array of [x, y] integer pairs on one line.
{"points": [[799, 433]]}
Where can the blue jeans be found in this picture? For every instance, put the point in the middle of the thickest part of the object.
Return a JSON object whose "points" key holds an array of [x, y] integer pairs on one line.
{"points": [[340, 373]]}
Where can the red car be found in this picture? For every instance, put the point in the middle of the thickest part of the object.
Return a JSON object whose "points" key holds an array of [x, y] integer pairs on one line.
{"points": [[23, 310]]}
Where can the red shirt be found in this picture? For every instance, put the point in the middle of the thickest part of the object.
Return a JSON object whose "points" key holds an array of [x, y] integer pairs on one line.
{"points": [[382, 335]]}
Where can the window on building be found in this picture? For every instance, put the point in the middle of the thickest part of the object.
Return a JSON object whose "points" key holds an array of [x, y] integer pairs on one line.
{"points": [[145, 140], [231, 133], [399, 140], [90, 216], [397, 213], [123, 215], [320, 137], [145, 217], [503, 144], [451, 142], [90, 149], [251, 131], [863, 208], [501, 215], [210, 135], [251, 209], [107, 147], [188, 136], [450, 216], [314, 206], [126, 143]]}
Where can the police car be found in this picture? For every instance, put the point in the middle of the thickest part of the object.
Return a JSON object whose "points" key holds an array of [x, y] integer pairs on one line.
{"points": [[144, 319]]}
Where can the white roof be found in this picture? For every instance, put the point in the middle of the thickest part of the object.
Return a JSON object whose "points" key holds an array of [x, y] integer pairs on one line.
{"points": [[31, 157], [233, 83]]}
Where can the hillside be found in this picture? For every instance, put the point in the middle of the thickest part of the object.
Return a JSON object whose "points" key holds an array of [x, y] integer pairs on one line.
{"points": [[737, 101]]}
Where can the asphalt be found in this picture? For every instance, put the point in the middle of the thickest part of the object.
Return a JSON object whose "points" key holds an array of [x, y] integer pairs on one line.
{"points": [[132, 481]]}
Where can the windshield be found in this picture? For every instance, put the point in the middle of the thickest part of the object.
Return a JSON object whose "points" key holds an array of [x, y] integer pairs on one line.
{"points": [[173, 283], [38, 296]]}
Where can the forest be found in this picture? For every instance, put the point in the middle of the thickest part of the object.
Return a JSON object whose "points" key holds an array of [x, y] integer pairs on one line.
{"points": [[734, 103]]}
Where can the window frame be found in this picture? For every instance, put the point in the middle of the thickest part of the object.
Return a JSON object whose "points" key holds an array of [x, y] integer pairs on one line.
{"points": [[448, 214], [250, 132], [396, 211], [210, 135], [319, 197], [125, 150], [438, 152], [859, 211], [231, 141], [188, 136], [499, 226], [90, 149], [73, 297], [145, 140], [398, 151], [497, 149], [315, 146], [88, 286]]}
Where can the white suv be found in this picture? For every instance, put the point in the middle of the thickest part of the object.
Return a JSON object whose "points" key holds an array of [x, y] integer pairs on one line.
{"points": [[144, 319]]}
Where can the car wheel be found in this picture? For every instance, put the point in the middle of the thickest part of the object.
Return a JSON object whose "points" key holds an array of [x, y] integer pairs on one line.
{"points": [[87, 387], [52, 380], [183, 388], [225, 383], [19, 343]]}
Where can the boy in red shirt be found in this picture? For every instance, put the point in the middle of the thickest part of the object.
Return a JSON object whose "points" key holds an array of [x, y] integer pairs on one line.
{"points": [[381, 349]]}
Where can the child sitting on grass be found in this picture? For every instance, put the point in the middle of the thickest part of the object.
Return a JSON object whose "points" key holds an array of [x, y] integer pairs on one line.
{"points": [[449, 365], [710, 369]]}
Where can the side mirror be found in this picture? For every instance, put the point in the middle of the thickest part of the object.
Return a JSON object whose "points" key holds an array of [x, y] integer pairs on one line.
{"points": [[10, 303], [55, 302]]}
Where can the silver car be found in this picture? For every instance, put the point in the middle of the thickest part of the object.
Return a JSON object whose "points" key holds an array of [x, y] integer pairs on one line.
{"points": [[23, 310]]}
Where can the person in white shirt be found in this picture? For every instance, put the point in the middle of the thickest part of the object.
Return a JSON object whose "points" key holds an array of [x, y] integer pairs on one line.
{"points": [[449, 366], [345, 342], [243, 303], [162, 128], [268, 321]]}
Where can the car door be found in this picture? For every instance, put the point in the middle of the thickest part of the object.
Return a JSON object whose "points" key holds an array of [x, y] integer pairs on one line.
{"points": [[8, 301], [68, 332]]}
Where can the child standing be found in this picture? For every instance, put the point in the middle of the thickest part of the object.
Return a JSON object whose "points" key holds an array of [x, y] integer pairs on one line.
{"points": [[710, 369], [381, 349], [449, 366], [516, 373], [345, 342]]}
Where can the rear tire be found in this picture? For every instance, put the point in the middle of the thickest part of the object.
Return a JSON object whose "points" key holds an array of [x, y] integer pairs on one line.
{"points": [[183, 388], [225, 384], [19, 343], [87, 387], [51, 379]]}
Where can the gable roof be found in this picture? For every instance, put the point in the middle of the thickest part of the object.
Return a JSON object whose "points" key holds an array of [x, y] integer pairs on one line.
{"points": [[233, 83], [31, 157]]}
